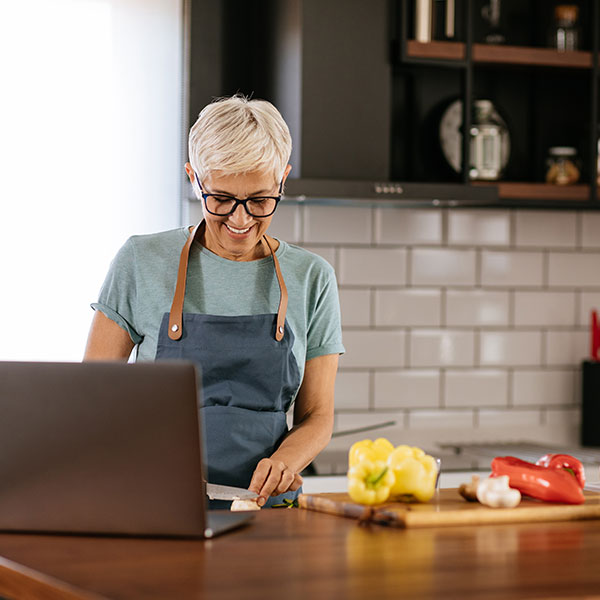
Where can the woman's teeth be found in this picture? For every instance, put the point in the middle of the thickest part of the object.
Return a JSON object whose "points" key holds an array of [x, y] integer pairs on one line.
{"points": [[236, 230]]}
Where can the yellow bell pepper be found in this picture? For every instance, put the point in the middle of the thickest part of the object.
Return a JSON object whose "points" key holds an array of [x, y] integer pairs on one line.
{"points": [[415, 473], [370, 482], [379, 449]]}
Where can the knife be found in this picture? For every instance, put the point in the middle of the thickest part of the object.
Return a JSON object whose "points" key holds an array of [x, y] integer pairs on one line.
{"points": [[228, 492]]}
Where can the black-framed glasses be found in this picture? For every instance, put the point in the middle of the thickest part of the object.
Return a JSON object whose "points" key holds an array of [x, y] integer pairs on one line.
{"points": [[222, 205]]}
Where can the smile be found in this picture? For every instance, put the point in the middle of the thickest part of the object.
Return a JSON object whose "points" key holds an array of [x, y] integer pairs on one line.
{"points": [[234, 230]]}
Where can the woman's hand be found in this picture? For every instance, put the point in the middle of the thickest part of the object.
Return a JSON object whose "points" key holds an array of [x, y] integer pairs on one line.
{"points": [[273, 477]]}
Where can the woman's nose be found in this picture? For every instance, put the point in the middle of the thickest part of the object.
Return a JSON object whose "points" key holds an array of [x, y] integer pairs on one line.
{"points": [[239, 215]]}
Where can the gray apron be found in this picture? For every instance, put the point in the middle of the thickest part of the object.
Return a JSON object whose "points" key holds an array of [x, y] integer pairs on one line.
{"points": [[249, 378]]}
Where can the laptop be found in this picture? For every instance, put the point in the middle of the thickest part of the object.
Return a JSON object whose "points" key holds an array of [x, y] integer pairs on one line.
{"points": [[105, 448]]}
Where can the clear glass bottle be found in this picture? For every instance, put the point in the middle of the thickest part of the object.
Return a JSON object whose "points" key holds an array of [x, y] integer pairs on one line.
{"points": [[565, 33], [489, 142], [563, 166]]}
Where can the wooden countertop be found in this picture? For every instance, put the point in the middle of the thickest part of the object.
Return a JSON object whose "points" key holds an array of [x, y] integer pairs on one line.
{"points": [[299, 554]]}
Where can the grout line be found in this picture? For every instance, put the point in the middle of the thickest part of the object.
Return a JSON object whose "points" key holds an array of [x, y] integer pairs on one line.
{"points": [[510, 388]]}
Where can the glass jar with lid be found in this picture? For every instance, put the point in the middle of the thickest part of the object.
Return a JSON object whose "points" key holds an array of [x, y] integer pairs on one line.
{"points": [[489, 145], [563, 166], [565, 35]]}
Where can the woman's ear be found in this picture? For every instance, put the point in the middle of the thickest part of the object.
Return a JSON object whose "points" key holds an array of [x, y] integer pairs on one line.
{"points": [[190, 172], [286, 173]]}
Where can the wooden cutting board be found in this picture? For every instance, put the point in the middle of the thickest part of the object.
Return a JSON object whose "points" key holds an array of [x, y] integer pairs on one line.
{"points": [[449, 508]]}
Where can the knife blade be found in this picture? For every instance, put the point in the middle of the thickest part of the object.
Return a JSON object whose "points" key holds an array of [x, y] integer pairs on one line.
{"points": [[228, 492]]}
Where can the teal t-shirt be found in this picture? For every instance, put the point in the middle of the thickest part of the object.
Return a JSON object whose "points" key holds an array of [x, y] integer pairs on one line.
{"points": [[140, 284]]}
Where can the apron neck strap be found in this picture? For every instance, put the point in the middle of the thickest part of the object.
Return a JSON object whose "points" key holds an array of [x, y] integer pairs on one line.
{"points": [[283, 294], [176, 314]]}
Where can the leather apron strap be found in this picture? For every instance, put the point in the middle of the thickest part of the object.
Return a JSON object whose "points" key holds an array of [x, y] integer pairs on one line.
{"points": [[176, 314]]}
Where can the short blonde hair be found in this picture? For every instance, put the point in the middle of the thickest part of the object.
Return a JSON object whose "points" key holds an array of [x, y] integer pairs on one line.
{"points": [[236, 135]]}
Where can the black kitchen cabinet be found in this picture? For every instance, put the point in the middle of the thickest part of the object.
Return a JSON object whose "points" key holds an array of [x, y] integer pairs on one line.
{"points": [[547, 98], [364, 99]]}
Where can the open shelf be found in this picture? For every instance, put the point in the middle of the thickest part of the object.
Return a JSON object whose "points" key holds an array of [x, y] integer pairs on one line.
{"points": [[509, 190], [500, 54]]}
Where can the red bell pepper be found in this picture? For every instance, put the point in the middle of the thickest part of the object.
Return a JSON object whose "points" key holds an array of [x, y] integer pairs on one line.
{"points": [[564, 461], [551, 481]]}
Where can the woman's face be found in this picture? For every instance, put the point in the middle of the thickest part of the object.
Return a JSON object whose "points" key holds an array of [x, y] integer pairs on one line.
{"points": [[237, 236]]}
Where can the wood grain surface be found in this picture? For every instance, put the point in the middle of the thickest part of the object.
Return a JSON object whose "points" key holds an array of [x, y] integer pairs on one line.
{"points": [[448, 508], [304, 555]]}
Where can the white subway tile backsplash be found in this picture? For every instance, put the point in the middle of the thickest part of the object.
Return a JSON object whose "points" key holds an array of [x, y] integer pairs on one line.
{"points": [[443, 266], [545, 308], [332, 225], [348, 421], [372, 266], [408, 307], [500, 268], [459, 325], [567, 347], [510, 420], [407, 389], [573, 269], [441, 348], [588, 301], [373, 349], [286, 223], [476, 308], [563, 427], [433, 419], [475, 387], [590, 229], [549, 229], [540, 387], [410, 226], [352, 390], [561, 416], [479, 227], [355, 306], [510, 348]]}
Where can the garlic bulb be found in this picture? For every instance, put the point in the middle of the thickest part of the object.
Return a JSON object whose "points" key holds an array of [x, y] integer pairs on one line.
{"points": [[495, 492]]}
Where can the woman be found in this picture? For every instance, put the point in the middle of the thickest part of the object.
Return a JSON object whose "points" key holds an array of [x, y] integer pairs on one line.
{"points": [[260, 316]]}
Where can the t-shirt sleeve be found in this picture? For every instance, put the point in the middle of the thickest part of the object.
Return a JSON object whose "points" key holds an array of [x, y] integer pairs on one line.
{"points": [[118, 295], [324, 325]]}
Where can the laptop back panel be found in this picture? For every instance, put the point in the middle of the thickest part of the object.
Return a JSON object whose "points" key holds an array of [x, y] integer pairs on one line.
{"points": [[104, 448]]}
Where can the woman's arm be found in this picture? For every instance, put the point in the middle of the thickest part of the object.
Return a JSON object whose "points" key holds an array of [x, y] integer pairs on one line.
{"points": [[107, 340], [313, 424]]}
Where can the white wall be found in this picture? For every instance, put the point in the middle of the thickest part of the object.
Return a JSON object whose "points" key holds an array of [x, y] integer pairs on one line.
{"points": [[90, 152]]}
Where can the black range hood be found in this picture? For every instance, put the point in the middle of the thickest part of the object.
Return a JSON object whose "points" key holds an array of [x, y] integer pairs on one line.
{"points": [[346, 191]]}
